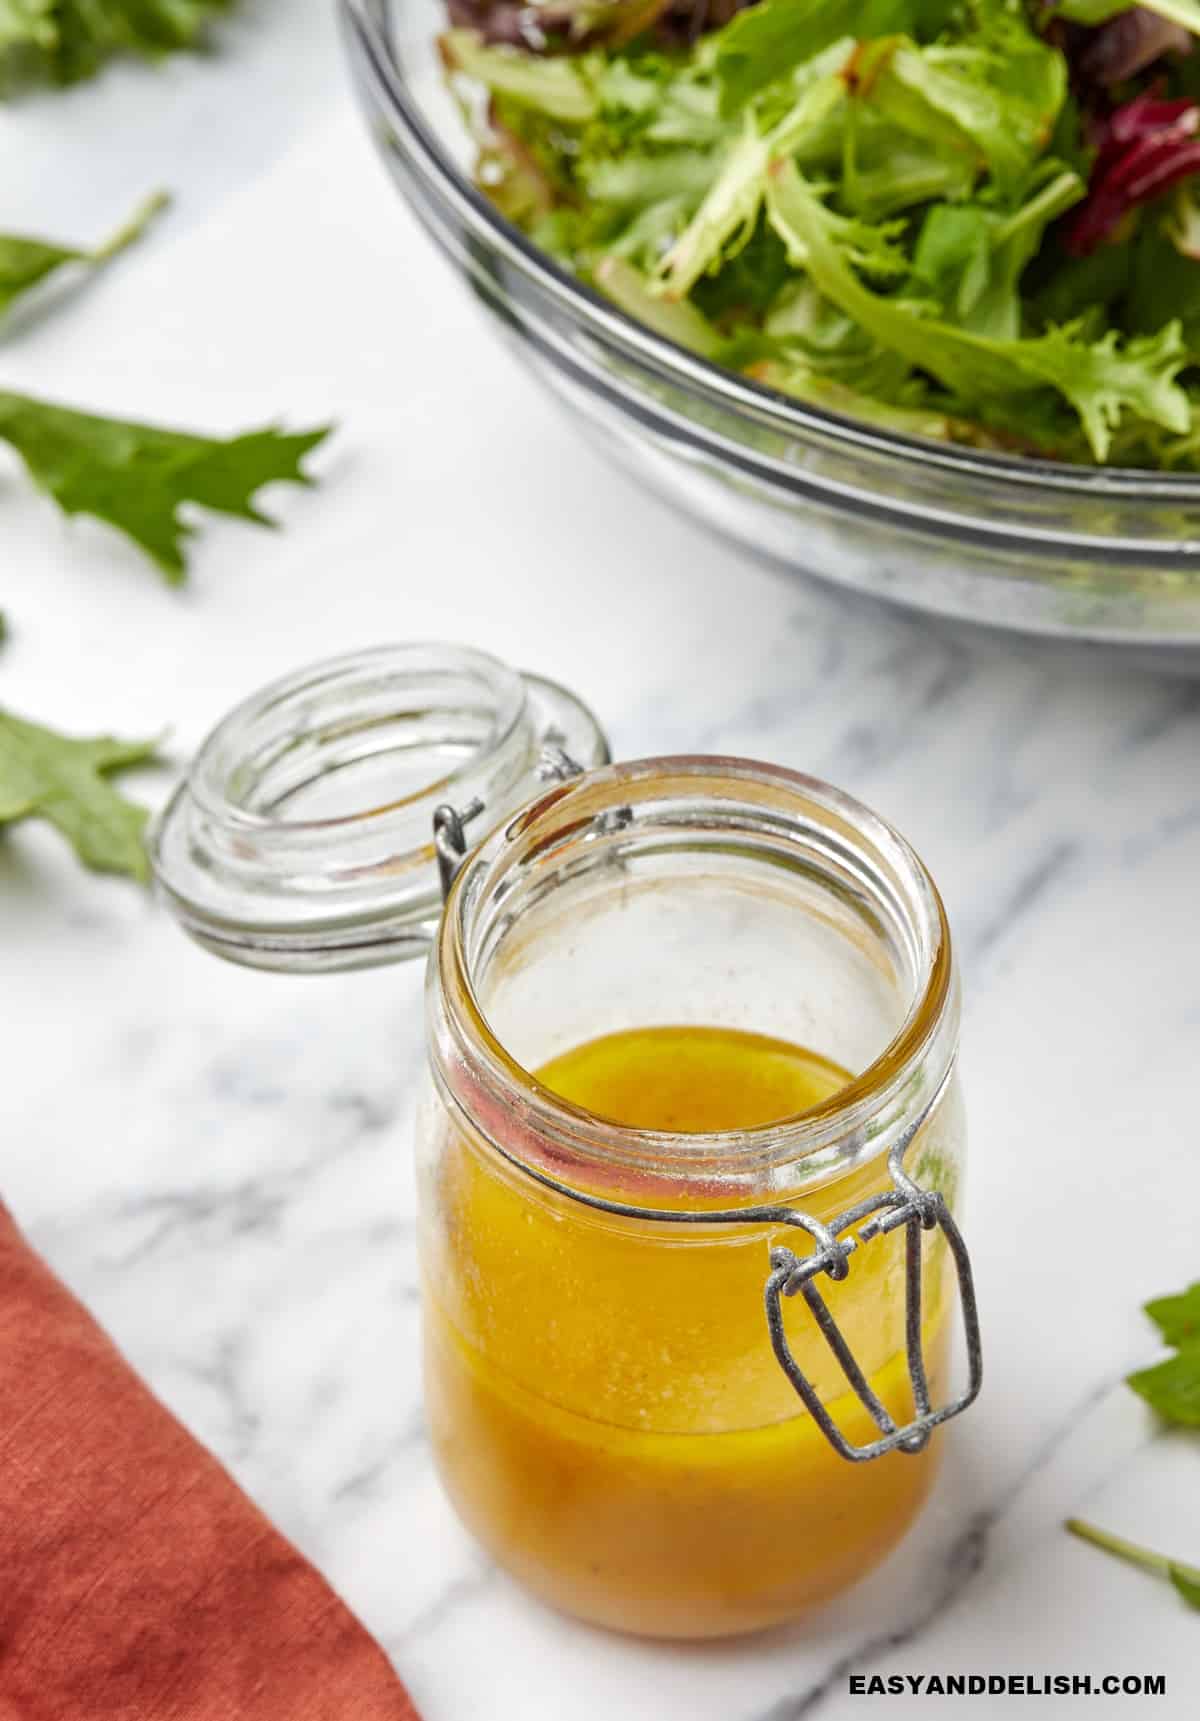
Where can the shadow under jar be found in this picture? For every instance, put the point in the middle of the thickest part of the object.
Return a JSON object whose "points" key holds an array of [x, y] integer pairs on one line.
{"points": [[692, 1141]]}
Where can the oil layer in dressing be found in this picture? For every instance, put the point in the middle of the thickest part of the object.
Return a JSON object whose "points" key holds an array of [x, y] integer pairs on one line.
{"points": [[604, 1403]]}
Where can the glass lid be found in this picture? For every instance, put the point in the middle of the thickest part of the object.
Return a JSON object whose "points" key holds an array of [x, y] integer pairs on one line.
{"points": [[302, 836]]}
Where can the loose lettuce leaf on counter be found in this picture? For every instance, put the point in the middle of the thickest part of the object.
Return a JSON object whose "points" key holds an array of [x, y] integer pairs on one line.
{"points": [[1172, 1388], [64, 779], [1177, 1318], [25, 263], [1185, 1579], [63, 41], [1102, 380], [137, 476]]}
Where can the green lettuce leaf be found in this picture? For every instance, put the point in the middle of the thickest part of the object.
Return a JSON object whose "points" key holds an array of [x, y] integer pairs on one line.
{"points": [[26, 263], [654, 100], [63, 41], [930, 420], [765, 43], [1102, 380], [64, 779], [826, 342], [1000, 104], [137, 476], [1163, 281], [563, 89], [675, 320], [632, 181], [27, 24], [972, 256], [882, 169], [1177, 1318], [730, 209], [1185, 1579], [1172, 1388], [1182, 227]]}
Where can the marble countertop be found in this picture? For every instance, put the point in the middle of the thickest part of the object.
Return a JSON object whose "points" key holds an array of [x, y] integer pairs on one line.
{"points": [[218, 1162]]}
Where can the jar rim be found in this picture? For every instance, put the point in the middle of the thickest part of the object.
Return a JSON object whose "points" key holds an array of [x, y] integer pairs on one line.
{"points": [[804, 1139]]}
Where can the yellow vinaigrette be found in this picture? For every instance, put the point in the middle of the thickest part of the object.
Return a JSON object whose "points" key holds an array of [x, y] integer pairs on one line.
{"points": [[605, 1407]]}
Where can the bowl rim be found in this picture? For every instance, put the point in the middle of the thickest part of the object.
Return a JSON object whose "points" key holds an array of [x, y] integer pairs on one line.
{"points": [[370, 21]]}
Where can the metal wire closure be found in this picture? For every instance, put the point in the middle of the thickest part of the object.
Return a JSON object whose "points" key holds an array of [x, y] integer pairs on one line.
{"points": [[834, 1243], [449, 825]]}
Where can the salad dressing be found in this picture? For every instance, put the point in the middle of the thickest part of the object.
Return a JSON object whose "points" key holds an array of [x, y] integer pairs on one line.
{"points": [[679, 1492]]}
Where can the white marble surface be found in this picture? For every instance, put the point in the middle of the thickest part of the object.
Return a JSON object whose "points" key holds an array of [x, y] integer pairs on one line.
{"points": [[219, 1162]]}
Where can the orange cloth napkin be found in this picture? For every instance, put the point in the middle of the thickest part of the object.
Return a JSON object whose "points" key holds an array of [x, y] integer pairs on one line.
{"points": [[137, 1581]]}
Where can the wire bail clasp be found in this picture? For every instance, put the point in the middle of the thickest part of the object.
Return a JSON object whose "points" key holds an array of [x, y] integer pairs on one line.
{"points": [[450, 823], [905, 1204]]}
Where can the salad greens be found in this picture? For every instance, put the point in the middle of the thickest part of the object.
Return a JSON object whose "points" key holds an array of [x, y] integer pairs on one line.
{"points": [[930, 214]]}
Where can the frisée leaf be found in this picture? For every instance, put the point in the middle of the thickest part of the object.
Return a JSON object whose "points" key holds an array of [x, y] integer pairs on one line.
{"points": [[1102, 380]]}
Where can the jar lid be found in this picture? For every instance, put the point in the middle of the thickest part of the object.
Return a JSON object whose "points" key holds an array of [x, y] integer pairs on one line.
{"points": [[302, 837]]}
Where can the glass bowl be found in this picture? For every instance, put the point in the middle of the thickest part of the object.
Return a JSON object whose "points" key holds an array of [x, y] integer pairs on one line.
{"points": [[1105, 554]]}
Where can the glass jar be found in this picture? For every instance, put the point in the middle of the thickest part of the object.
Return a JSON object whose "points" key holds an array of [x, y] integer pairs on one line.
{"points": [[611, 1413]]}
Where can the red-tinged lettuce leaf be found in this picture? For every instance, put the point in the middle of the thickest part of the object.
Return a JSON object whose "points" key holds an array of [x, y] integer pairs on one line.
{"points": [[1145, 146], [136, 476], [64, 779]]}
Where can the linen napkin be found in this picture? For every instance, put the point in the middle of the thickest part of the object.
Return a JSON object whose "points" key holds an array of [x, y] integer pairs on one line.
{"points": [[137, 1581]]}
